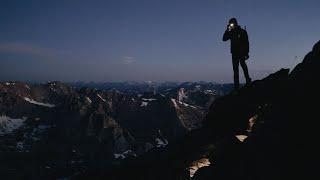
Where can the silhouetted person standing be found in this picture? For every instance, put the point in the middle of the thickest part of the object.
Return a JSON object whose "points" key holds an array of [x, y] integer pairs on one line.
{"points": [[239, 49]]}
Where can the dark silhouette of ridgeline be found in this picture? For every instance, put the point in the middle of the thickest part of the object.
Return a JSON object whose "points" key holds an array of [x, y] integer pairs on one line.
{"points": [[281, 145]]}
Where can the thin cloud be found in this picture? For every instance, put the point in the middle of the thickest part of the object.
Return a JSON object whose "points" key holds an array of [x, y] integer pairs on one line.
{"points": [[25, 48], [128, 60]]}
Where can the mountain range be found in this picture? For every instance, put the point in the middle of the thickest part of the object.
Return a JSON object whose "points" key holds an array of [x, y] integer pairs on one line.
{"points": [[61, 129]]}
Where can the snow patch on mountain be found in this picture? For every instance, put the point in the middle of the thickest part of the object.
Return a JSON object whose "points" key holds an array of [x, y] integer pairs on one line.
{"points": [[161, 142], [143, 104], [124, 155], [88, 100], [8, 84], [209, 91], [39, 103], [8, 125], [117, 156], [150, 99], [187, 105], [181, 94], [104, 100], [20, 146], [145, 101], [176, 102]]}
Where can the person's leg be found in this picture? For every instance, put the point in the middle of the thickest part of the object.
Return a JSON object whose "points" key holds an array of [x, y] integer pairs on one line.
{"points": [[245, 70], [235, 65]]}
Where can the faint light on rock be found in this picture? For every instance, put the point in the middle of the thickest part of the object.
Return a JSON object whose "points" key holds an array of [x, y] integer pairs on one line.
{"points": [[241, 137]]}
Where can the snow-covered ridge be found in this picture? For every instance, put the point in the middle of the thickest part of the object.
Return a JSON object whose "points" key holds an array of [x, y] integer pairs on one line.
{"points": [[176, 102], [7, 124], [39, 103], [187, 105]]}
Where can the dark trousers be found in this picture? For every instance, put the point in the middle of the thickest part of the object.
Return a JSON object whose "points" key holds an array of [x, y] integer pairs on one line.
{"points": [[236, 60]]}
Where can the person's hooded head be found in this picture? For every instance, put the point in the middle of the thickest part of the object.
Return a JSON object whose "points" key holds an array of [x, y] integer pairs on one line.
{"points": [[233, 23]]}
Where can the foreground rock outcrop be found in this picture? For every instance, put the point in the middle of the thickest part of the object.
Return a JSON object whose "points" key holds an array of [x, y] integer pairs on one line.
{"points": [[279, 114]]}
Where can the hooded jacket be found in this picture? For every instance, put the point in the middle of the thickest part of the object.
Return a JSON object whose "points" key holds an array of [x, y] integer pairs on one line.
{"points": [[239, 41]]}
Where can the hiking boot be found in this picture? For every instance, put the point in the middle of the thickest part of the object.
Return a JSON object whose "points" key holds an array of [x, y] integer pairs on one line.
{"points": [[248, 81]]}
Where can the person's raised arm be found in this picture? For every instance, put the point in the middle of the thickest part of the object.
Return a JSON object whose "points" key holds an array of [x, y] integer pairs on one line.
{"points": [[226, 35]]}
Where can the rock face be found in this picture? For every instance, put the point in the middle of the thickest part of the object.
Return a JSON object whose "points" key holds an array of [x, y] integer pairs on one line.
{"points": [[278, 114], [281, 143]]}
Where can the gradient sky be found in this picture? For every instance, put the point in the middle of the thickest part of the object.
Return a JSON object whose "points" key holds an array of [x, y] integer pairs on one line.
{"points": [[157, 40]]}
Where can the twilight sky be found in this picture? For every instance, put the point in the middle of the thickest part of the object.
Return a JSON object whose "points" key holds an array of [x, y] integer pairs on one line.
{"points": [[157, 40]]}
